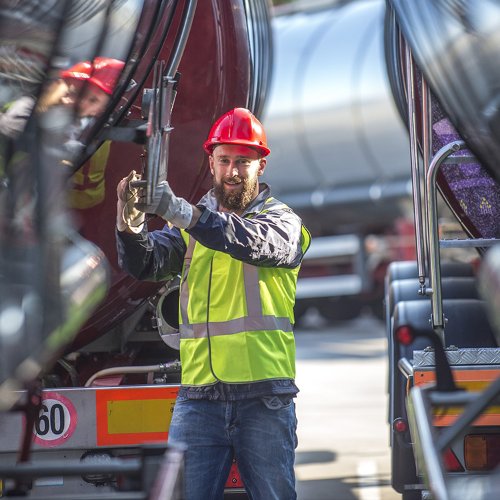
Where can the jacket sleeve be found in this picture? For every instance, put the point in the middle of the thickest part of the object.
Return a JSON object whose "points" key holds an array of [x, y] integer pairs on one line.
{"points": [[153, 256], [268, 239]]}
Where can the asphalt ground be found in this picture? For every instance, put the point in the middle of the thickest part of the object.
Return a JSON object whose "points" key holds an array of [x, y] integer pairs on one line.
{"points": [[343, 451]]}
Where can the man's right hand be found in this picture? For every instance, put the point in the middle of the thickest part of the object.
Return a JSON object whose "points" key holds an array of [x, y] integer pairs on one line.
{"points": [[169, 207], [127, 216]]}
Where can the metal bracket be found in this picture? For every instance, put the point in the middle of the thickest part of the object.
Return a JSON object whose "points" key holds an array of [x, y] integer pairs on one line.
{"points": [[158, 129]]}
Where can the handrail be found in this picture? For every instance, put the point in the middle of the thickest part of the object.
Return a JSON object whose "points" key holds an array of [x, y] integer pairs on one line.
{"points": [[438, 321]]}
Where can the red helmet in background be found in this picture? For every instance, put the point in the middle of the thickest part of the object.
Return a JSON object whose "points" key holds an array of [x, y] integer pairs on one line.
{"points": [[103, 72], [238, 126]]}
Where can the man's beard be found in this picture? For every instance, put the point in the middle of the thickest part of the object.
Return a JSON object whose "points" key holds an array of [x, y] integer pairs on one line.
{"points": [[236, 201]]}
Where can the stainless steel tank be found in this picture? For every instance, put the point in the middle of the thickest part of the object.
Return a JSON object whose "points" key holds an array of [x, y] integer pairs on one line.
{"points": [[339, 147]]}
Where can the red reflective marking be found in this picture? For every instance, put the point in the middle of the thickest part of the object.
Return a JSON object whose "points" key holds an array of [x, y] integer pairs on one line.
{"points": [[234, 478], [104, 438]]}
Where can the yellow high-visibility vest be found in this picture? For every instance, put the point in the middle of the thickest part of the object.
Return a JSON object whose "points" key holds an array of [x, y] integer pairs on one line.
{"points": [[235, 318], [88, 187]]}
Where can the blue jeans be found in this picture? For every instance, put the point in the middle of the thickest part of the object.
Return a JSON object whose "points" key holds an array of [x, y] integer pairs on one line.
{"points": [[259, 433]]}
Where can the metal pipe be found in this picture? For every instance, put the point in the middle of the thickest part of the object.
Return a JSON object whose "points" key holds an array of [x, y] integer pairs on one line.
{"points": [[427, 153], [180, 43], [161, 367], [415, 169], [432, 216], [70, 468], [405, 367]]}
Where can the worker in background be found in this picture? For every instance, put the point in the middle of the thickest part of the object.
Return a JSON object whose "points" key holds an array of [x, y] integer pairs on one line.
{"points": [[238, 252], [90, 86]]}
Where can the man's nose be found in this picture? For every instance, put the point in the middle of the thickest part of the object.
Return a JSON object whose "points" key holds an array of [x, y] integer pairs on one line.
{"points": [[232, 168]]}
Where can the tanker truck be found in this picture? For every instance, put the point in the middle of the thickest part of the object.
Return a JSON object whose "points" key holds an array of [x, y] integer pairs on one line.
{"points": [[339, 152], [90, 364], [442, 316]]}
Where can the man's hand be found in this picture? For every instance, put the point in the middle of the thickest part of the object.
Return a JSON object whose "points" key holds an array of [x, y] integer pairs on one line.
{"points": [[127, 216], [165, 204]]}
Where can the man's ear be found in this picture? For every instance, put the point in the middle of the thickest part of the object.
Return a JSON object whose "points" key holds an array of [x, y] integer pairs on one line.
{"points": [[262, 166], [211, 164]]}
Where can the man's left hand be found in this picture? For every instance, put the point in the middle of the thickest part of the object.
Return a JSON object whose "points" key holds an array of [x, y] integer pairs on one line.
{"points": [[165, 204]]}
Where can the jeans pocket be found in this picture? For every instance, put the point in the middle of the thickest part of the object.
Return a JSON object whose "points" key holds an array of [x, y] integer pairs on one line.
{"points": [[277, 402]]}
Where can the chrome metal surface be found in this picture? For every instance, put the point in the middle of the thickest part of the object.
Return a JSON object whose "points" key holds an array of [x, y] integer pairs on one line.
{"points": [[459, 357], [416, 171], [468, 243], [405, 367], [438, 321], [336, 137], [51, 278], [261, 46], [426, 99], [456, 46]]}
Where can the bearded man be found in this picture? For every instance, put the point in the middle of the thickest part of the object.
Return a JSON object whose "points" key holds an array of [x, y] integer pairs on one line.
{"points": [[238, 252]]}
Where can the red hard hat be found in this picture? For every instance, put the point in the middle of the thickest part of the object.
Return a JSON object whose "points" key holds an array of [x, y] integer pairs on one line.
{"points": [[238, 126], [103, 72]]}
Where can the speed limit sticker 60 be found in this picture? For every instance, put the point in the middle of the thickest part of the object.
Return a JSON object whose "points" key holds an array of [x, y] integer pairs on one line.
{"points": [[56, 421]]}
